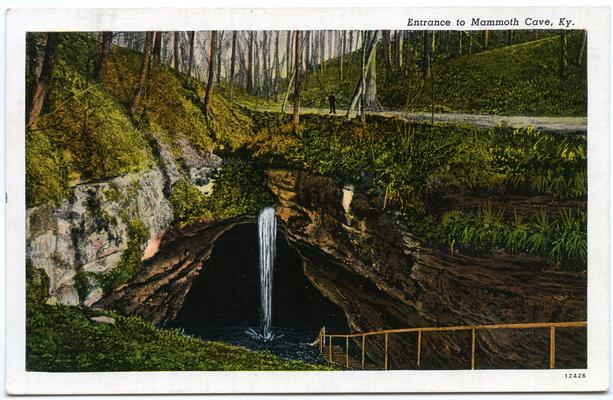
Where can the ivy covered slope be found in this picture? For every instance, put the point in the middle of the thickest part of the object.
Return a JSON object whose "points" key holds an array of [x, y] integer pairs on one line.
{"points": [[459, 188], [521, 79], [85, 132], [65, 339]]}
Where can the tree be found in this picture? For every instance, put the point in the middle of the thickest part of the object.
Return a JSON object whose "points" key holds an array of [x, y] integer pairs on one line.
{"points": [[250, 64], [563, 54], [175, 50], [211, 80], [426, 56], [157, 47], [581, 51], [386, 52], [233, 60], [105, 48], [486, 39], [342, 53], [398, 49], [369, 48], [192, 37], [42, 83], [144, 72], [219, 50], [296, 99]]}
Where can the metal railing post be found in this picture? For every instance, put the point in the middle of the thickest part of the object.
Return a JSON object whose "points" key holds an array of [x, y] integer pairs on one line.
{"points": [[552, 347], [472, 348], [418, 349], [386, 351], [363, 346], [346, 351]]}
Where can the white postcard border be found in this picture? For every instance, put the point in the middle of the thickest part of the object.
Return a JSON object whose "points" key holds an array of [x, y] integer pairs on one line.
{"points": [[18, 381]]}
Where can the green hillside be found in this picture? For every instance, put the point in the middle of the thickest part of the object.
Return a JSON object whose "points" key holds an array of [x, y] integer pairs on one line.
{"points": [[86, 132], [521, 79]]}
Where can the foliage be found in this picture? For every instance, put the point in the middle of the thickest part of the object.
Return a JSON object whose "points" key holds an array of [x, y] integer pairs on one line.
{"points": [[407, 164], [563, 239], [130, 261], [64, 339], [519, 79], [238, 190], [86, 132]]}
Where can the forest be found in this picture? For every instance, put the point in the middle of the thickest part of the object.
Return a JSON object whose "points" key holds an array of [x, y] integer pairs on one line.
{"points": [[408, 120]]}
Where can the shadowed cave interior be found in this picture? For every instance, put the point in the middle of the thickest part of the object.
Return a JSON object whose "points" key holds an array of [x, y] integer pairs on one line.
{"points": [[224, 299]]}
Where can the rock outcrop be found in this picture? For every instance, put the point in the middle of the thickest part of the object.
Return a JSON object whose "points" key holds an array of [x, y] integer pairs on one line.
{"points": [[157, 291], [86, 235], [367, 262]]}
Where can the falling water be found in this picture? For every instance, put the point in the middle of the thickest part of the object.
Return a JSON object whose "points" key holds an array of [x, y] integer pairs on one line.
{"points": [[267, 233]]}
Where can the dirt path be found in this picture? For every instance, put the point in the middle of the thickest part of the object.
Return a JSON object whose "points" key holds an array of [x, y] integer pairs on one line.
{"points": [[481, 121]]}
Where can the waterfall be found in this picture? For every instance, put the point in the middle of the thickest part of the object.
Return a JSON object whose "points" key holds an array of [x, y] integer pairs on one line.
{"points": [[267, 234]]}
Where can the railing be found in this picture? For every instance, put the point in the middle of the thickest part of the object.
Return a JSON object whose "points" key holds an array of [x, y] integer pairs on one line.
{"points": [[324, 338]]}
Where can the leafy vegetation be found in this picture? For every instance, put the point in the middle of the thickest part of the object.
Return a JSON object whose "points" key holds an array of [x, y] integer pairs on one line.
{"points": [[520, 79], [65, 339], [138, 234], [86, 133], [238, 190], [564, 239], [407, 164]]}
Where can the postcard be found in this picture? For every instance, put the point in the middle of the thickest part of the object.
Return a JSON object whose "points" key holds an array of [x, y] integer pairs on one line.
{"points": [[307, 200]]}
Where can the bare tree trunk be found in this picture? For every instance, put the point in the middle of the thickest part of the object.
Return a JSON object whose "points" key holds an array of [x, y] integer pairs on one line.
{"points": [[426, 56], [460, 37], [175, 50], [582, 48], [350, 41], [218, 55], [342, 53], [563, 54], [470, 42], [233, 61], [157, 47], [277, 64], [386, 53], [208, 94], [398, 52], [144, 71], [370, 101], [486, 39], [42, 83], [250, 64], [107, 39], [288, 54], [265, 62], [192, 39], [307, 55], [297, 58], [368, 53]]}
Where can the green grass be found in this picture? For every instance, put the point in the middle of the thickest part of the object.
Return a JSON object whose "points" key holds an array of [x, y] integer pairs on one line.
{"points": [[521, 79], [65, 339]]}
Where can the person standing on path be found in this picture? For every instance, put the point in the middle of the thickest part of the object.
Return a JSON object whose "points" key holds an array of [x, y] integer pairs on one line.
{"points": [[332, 101]]}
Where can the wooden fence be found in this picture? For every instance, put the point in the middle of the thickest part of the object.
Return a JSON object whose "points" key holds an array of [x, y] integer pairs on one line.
{"points": [[326, 339]]}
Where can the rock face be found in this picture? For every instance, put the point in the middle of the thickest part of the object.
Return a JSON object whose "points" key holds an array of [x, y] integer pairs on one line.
{"points": [[85, 236], [157, 292], [89, 231], [367, 262]]}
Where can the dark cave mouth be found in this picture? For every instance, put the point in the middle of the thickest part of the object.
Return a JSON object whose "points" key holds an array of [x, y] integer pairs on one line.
{"points": [[224, 299]]}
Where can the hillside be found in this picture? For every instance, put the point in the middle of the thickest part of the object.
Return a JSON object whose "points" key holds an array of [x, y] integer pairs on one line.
{"points": [[86, 133], [521, 79]]}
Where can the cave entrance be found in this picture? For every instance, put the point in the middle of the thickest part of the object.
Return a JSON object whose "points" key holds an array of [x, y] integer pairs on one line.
{"points": [[224, 300]]}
